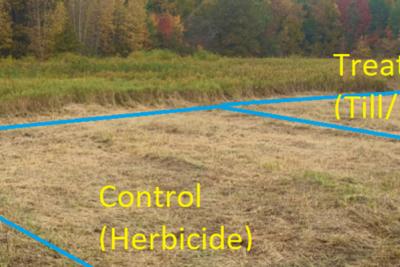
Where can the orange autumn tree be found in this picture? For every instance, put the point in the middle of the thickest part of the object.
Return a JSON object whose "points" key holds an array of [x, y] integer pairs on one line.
{"points": [[166, 26]]}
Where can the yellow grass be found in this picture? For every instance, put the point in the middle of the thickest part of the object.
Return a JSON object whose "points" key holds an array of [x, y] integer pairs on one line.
{"points": [[313, 197]]}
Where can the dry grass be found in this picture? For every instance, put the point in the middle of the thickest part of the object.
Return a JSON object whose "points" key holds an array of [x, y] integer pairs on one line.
{"points": [[313, 197]]}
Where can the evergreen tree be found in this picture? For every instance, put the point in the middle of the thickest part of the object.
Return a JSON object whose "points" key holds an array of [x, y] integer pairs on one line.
{"points": [[5, 29], [237, 27], [200, 30], [394, 21], [380, 11], [321, 27], [20, 19], [65, 39]]}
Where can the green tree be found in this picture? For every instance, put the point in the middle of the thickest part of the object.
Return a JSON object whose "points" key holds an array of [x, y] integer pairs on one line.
{"points": [[283, 35], [66, 40], [394, 20], [236, 27], [322, 27], [291, 37], [20, 19], [185, 8], [200, 30], [352, 33], [5, 29], [380, 11]]}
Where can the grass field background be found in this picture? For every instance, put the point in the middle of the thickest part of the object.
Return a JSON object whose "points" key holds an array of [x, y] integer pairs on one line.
{"points": [[312, 196], [155, 77]]}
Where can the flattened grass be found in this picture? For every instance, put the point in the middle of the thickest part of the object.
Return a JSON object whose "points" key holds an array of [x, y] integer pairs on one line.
{"points": [[158, 76]]}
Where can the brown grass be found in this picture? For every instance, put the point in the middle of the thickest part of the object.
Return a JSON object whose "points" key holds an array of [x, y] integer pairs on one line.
{"points": [[313, 197]]}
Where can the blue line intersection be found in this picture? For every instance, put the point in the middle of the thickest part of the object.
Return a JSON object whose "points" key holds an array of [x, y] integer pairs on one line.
{"points": [[230, 106]]}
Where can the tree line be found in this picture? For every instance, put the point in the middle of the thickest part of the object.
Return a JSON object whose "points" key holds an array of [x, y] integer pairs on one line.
{"points": [[230, 27]]}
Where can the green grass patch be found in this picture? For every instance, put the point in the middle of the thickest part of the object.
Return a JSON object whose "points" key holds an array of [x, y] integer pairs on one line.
{"points": [[28, 85], [347, 190]]}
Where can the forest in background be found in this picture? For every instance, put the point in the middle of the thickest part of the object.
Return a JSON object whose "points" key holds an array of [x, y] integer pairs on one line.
{"points": [[43, 28]]}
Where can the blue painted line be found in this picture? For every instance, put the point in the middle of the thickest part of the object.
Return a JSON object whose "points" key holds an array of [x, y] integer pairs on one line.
{"points": [[282, 100], [182, 110], [224, 106], [44, 242], [305, 99], [314, 123], [106, 118]]}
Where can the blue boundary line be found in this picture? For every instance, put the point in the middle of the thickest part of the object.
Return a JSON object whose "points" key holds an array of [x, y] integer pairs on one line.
{"points": [[313, 123], [106, 118], [181, 110], [230, 106], [306, 99], [44, 242]]}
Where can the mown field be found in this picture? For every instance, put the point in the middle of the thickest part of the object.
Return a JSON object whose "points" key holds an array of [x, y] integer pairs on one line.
{"points": [[28, 85], [313, 197]]}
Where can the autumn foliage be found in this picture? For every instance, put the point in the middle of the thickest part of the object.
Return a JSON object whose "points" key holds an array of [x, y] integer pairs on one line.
{"points": [[232, 27]]}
